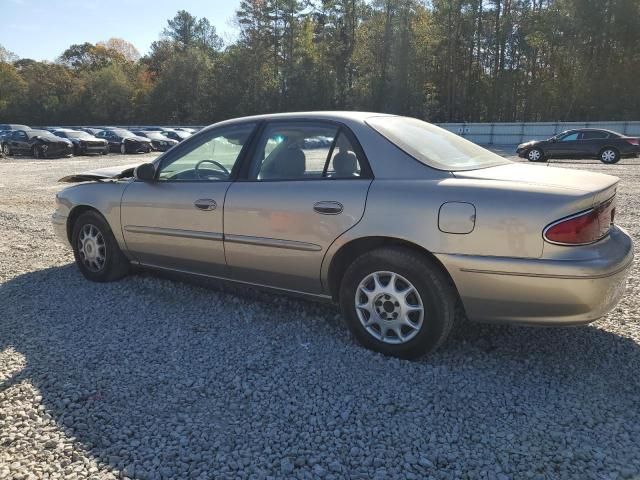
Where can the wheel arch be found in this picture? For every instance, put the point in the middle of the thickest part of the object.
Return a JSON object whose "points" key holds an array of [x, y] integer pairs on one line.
{"points": [[75, 213], [348, 252]]}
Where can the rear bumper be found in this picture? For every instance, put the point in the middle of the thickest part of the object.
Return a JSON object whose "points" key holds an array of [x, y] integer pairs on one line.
{"points": [[544, 291]]}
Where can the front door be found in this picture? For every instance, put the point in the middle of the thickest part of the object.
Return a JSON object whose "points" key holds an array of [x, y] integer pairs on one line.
{"points": [[306, 185], [567, 145], [176, 221]]}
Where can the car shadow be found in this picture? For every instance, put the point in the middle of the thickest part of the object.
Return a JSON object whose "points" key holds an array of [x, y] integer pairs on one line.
{"points": [[166, 378]]}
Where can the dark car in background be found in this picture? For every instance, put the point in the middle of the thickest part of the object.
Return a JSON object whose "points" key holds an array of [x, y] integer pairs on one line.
{"points": [[160, 142], [124, 141], [38, 143], [177, 135], [83, 143], [7, 128], [606, 145]]}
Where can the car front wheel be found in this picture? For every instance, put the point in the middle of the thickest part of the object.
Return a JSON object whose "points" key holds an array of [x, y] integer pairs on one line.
{"points": [[123, 148], [37, 152], [397, 302], [609, 156], [535, 155], [95, 249]]}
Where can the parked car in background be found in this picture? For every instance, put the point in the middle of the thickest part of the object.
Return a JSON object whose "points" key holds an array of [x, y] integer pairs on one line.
{"points": [[177, 135], [124, 141], [160, 142], [400, 222], [606, 145], [83, 142], [38, 143], [186, 129], [7, 128]]}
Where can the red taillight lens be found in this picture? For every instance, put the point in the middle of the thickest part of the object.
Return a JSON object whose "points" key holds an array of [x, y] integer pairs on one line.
{"points": [[586, 227], [633, 141]]}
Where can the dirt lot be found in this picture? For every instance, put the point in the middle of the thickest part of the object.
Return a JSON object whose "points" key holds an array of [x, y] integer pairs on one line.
{"points": [[156, 378]]}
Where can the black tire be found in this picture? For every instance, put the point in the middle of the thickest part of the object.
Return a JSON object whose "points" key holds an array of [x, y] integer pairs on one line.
{"points": [[433, 286], [536, 155], [36, 152], [115, 264], [609, 155], [123, 148], [6, 149]]}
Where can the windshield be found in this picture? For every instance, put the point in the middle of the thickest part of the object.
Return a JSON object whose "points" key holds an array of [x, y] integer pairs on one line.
{"points": [[155, 135], [40, 133], [81, 135], [123, 133], [434, 146]]}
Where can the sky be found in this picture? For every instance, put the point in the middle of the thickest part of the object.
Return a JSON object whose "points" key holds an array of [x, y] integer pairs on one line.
{"points": [[43, 29]]}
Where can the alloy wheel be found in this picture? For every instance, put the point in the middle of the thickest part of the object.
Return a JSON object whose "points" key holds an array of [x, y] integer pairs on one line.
{"points": [[608, 156], [123, 149], [6, 150], [534, 155], [389, 307], [92, 248]]}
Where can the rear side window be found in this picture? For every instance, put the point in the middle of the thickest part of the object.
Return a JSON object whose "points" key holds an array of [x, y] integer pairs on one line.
{"points": [[434, 146], [304, 151], [594, 135]]}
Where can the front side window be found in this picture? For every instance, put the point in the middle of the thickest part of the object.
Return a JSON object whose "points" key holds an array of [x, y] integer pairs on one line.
{"points": [[304, 151], [569, 137], [210, 159], [434, 146]]}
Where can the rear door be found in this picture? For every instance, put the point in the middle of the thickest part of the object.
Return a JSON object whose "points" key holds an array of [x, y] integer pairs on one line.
{"points": [[592, 141], [306, 184]]}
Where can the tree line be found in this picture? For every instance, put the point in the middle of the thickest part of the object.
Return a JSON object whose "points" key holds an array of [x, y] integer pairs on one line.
{"points": [[441, 60]]}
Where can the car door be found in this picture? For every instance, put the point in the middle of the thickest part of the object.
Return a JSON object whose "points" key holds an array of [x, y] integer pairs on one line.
{"points": [[20, 142], [567, 145], [175, 221], [592, 141], [305, 184]]}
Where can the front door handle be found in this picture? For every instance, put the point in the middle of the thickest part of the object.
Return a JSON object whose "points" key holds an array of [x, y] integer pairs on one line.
{"points": [[205, 204], [328, 208]]}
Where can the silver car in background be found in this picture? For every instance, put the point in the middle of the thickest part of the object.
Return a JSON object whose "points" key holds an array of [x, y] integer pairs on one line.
{"points": [[400, 222]]}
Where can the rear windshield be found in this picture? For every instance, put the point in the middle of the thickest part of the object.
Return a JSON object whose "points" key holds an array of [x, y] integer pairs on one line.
{"points": [[434, 146]]}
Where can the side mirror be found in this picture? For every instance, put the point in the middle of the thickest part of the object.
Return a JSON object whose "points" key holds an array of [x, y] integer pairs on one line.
{"points": [[145, 172]]}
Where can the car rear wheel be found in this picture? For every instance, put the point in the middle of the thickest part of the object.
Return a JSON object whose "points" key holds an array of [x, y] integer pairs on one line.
{"points": [[397, 302], [95, 249], [535, 155], [123, 149], [609, 156], [6, 149]]}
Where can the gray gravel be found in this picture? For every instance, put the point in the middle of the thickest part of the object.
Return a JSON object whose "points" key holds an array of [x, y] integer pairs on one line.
{"points": [[157, 378]]}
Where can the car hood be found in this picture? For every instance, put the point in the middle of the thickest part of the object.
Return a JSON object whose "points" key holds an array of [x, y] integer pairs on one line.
{"points": [[543, 176], [138, 139], [123, 171]]}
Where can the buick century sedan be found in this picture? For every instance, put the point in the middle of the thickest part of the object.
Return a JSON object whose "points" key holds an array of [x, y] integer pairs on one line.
{"points": [[398, 221]]}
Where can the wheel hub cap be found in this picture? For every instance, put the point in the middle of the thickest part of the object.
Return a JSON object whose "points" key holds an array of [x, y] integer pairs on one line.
{"points": [[92, 248], [389, 307]]}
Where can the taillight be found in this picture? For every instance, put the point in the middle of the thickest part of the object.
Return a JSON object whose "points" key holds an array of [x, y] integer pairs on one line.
{"points": [[582, 228], [633, 141]]}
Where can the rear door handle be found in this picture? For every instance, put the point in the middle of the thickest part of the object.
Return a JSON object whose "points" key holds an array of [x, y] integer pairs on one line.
{"points": [[205, 204], [328, 208]]}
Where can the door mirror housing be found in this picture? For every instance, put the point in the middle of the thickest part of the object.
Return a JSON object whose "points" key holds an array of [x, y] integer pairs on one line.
{"points": [[145, 172]]}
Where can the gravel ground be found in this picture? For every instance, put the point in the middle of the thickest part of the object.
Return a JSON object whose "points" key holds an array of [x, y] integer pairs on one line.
{"points": [[157, 378]]}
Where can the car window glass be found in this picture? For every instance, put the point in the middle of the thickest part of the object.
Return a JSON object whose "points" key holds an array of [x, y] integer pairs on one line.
{"points": [[344, 161], [209, 160], [594, 135], [292, 151], [570, 137]]}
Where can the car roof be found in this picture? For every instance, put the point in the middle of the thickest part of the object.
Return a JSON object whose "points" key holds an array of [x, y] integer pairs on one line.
{"points": [[338, 115]]}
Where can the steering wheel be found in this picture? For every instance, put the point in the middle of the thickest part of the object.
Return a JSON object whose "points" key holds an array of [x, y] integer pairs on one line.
{"points": [[216, 164]]}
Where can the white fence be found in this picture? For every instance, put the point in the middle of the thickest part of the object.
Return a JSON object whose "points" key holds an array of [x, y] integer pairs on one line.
{"points": [[514, 133]]}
